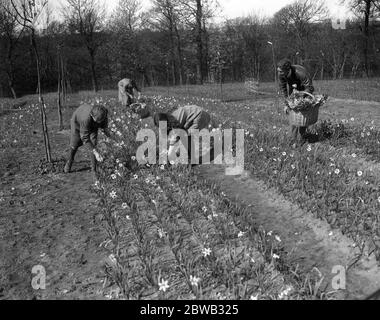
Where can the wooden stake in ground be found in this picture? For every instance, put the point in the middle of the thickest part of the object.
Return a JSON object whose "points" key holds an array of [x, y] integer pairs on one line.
{"points": [[27, 16], [60, 85]]}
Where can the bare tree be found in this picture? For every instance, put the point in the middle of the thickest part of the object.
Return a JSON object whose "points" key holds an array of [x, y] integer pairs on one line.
{"points": [[167, 19], [127, 15], [124, 23], [28, 13], [197, 13], [12, 32], [365, 9], [297, 18], [86, 17]]}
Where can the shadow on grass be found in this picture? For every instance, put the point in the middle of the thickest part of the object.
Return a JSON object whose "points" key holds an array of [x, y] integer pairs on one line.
{"points": [[84, 169]]}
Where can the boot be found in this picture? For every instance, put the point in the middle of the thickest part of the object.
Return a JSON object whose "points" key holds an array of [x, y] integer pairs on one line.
{"points": [[93, 163], [70, 161]]}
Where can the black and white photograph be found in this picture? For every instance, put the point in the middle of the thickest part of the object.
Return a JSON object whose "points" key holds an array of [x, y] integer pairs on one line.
{"points": [[211, 153]]}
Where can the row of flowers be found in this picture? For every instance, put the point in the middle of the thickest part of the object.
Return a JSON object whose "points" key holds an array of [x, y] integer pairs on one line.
{"points": [[188, 217]]}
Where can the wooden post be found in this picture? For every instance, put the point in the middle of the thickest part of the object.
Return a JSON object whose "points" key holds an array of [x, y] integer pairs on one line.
{"points": [[41, 100], [60, 82], [63, 79]]}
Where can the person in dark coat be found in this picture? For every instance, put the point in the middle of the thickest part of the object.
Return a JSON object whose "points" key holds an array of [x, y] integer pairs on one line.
{"points": [[126, 91], [85, 122], [294, 77]]}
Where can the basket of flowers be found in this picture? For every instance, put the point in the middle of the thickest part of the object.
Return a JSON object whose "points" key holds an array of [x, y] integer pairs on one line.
{"points": [[304, 108]]}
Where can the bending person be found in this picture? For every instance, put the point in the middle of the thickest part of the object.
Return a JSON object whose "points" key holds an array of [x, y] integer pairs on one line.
{"points": [[126, 91], [190, 117], [85, 122]]}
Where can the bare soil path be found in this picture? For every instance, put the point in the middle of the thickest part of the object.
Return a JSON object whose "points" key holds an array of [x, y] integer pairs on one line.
{"points": [[48, 220]]}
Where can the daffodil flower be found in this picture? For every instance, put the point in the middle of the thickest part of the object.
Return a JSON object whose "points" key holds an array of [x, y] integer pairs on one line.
{"points": [[163, 285], [241, 234], [194, 281], [206, 252]]}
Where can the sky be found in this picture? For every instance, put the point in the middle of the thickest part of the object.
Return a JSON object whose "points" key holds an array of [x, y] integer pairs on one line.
{"points": [[240, 8]]}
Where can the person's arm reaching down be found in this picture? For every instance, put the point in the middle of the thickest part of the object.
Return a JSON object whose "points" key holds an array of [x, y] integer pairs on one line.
{"points": [[283, 86], [85, 136], [134, 86]]}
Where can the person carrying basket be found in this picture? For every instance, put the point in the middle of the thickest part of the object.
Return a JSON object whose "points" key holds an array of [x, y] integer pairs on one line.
{"points": [[294, 77]]}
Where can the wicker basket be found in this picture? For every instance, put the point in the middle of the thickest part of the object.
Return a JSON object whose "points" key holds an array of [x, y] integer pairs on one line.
{"points": [[304, 118]]}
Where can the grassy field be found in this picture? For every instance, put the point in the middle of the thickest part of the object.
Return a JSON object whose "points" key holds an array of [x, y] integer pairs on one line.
{"points": [[365, 90], [171, 234]]}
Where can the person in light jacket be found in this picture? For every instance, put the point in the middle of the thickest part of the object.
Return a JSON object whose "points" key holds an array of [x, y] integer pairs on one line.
{"points": [[126, 91]]}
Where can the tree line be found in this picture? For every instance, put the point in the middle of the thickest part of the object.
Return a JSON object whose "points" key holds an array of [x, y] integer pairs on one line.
{"points": [[176, 42]]}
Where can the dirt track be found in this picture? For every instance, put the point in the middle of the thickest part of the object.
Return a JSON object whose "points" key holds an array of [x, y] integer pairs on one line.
{"points": [[49, 220]]}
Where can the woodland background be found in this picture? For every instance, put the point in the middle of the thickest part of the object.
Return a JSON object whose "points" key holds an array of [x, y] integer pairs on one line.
{"points": [[177, 42]]}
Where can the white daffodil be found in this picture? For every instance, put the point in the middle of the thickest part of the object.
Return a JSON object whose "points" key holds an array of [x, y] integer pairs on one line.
{"points": [[163, 285], [112, 258], [194, 281], [161, 233], [241, 234], [285, 292], [206, 252]]}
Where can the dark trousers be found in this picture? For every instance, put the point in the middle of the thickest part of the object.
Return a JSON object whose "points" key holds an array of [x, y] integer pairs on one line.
{"points": [[76, 142], [71, 156], [298, 134]]}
